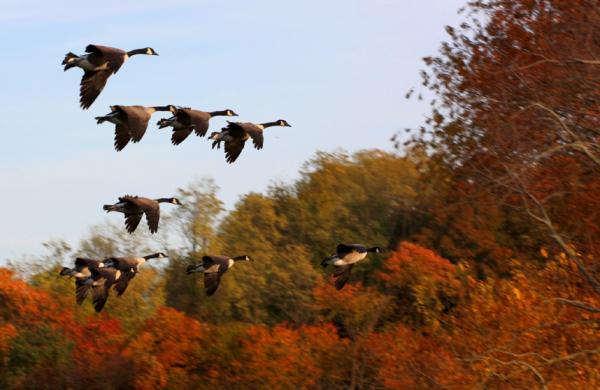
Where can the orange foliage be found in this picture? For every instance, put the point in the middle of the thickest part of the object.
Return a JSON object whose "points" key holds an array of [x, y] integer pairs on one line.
{"points": [[97, 352], [517, 330], [7, 333], [165, 346], [412, 261], [282, 357], [20, 304], [406, 359], [355, 308], [425, 285]]}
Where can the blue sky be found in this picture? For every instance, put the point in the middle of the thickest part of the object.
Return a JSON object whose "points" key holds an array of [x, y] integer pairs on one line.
{"points": [[336, 70]]}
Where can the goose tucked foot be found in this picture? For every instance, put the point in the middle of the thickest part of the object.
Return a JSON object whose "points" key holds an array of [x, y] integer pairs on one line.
{"points": [[217, 138]]}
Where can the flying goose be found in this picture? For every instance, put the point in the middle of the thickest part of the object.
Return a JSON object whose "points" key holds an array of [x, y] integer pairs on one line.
{"points": [[129, 267], [81, 268], [81, 272], [186, 119], [99, 64], [213, 267], [130, 122], [236, 134], [100, 281], [135, 206], [344, 259]]}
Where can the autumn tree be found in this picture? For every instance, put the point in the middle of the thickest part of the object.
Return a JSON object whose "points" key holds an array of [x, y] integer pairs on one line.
{"points": [[365, 197], [424, 285], [516, 116], [164, 353], [195, 221]]}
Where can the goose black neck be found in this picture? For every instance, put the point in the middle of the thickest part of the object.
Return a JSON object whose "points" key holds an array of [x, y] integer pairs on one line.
{"points": [[373, 249], [162, 108], [163, 200], [218, 113], [152, 256], [270, 124], [136, 51], [239, 258]]}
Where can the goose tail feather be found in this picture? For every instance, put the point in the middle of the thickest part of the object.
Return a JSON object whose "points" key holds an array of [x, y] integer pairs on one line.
{"points": [[193, 268], [70, 60]]}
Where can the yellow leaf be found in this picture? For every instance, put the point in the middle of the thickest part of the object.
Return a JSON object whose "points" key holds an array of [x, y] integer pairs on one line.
{"points": [[517, 292], [543, 253]]}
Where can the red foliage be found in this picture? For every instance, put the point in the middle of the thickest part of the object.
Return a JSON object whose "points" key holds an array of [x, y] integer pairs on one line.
{"points": [[406, 359], [22, 305], [167, 344], [282, 357]]}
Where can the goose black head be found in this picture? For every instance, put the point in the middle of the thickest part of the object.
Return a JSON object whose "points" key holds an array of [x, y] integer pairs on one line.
{"points": [[283, 122], [175, 201], [242, 258], [375, 249], [151, 52], [229, 112]]}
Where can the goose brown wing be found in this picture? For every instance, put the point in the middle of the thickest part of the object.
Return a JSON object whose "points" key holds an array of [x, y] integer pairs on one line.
{"points": [[179, 135], [92, 83], [150, 208], [123, 263], [207, 262], [99, 296], [122, 136], [221, 261], [235, 129], [212, 279], [256, 134], [344, 249], [113, 56], [81, 291], [108, 274], [233, 148], [132, 200], [132, 221], [123, 282], [105, 278], [122, 132], [137, 121], [199, 120], [341, 275], [82, 262], [211, 282]]}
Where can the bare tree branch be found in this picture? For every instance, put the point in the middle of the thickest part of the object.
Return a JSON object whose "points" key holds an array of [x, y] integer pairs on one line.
{"points": [[578, 304]]}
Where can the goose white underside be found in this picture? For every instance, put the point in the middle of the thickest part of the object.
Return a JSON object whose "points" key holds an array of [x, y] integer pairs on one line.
{"points": [[350, 258], [84, 64]]}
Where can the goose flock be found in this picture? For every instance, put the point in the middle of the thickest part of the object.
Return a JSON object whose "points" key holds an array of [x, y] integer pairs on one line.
{"points": [[131, 123]]}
